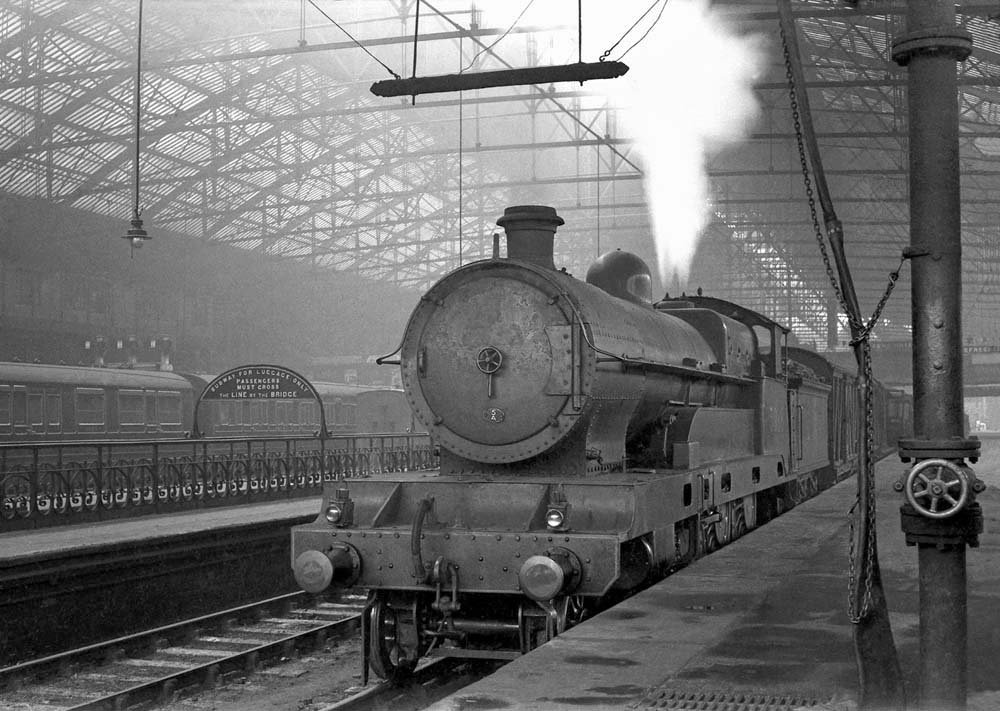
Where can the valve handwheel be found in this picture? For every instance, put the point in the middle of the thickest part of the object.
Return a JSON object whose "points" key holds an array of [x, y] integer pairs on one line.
{"points": [[937, 488], [489, 360]]}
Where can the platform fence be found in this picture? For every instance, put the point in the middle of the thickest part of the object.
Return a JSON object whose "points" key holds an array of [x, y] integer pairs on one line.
{"points": [[53, 484]]}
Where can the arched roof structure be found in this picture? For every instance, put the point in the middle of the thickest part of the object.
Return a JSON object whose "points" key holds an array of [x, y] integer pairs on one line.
{"points": [[258, 130]]}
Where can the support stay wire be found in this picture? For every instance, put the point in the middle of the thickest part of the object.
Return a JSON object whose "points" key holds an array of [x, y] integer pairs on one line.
{"points": [[353, 38]]}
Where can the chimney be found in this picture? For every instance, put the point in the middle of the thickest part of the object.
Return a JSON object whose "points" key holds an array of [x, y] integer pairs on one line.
{"points": [[531, 231]]}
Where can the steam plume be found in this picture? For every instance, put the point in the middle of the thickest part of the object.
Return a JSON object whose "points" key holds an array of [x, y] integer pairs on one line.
{"points": [[687, 95]]}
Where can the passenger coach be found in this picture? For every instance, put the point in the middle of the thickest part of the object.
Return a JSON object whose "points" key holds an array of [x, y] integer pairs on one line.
{"points": [[58, 402]]}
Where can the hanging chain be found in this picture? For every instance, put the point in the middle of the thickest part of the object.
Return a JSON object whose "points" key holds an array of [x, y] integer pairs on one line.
{"points": [[863, 330], [854, 597], [858, 603]]}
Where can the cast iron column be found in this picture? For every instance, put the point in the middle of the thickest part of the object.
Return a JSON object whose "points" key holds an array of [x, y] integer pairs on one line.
{"points": [[930, 48]]}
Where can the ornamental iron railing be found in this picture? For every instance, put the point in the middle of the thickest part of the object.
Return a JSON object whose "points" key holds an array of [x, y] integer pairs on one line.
{"points": [[53, 484]]}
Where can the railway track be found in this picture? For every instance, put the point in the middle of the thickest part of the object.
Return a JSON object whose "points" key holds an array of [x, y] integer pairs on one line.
{"points": [[154, 666], [430, 683]]}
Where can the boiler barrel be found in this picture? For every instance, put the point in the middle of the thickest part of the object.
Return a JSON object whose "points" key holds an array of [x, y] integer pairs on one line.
{"points": [[503, 360]]}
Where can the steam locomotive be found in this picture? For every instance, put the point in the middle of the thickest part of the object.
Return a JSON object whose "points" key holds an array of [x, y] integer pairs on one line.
{"points": [[590, 442]]}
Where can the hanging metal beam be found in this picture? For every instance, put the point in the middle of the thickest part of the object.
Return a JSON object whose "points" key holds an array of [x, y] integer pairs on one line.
{"points": [[579, 71]]}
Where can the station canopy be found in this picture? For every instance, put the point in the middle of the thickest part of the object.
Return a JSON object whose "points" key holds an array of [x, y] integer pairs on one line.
{"points": [[257, 128]]}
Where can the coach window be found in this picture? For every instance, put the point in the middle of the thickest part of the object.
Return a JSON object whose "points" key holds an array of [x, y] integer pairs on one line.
{"points": [[168, 405], [53, 411], [5, 401], [20, 407], [35, 417], [150, 399], [131, 407], [90, 406]]}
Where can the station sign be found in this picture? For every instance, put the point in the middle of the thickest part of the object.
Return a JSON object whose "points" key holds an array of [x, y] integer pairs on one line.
{"points": [[975, 350], [259, 382]]}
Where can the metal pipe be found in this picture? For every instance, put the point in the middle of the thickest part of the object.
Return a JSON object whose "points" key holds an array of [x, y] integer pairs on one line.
{"points": [[483, 626], [943, 628], [929, 49], [935, 229]]}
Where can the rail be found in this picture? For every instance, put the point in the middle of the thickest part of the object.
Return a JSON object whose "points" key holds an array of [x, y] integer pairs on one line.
{"points": [[59, 483], [430, 683], [142, 669]]}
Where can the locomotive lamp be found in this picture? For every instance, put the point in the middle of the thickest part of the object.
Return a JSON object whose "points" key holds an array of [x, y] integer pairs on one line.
{"points": [[340, 511], [558, 510], [334, 513], [555, 518]]}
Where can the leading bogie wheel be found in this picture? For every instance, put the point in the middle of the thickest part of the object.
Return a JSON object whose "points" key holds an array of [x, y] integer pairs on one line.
{"points": [[685, 542], [386, 655], [709, 538], [739, 523]]}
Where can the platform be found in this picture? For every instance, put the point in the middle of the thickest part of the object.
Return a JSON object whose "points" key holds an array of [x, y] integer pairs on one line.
{"points": [[71, 585], [79, 539], [761, 624]]}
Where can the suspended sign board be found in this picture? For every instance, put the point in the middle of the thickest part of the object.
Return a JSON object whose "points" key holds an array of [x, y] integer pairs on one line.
{"points": [[260, 382]]}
